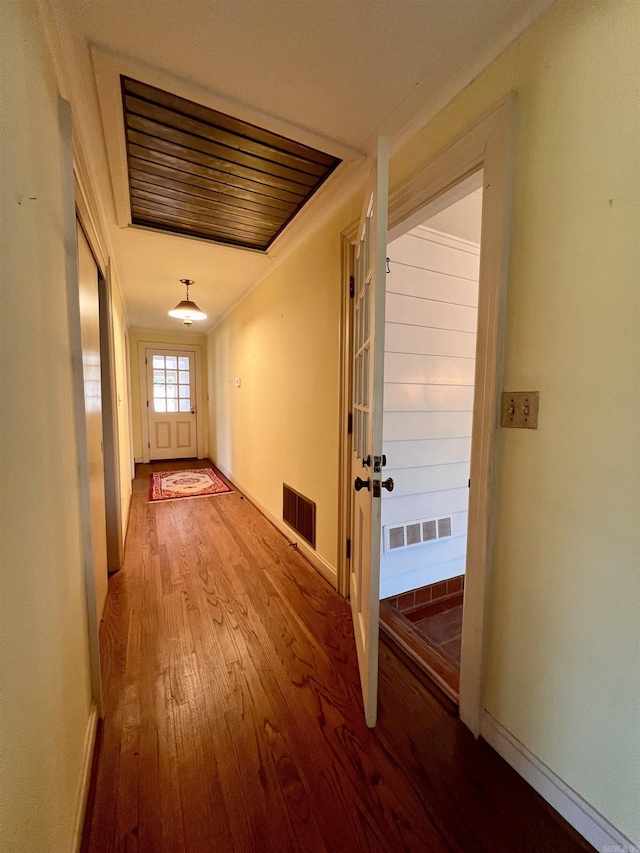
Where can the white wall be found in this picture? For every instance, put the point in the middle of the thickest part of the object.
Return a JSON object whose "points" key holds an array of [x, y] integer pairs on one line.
{"points": [[282, 424], [45, 692], [430, 344]]}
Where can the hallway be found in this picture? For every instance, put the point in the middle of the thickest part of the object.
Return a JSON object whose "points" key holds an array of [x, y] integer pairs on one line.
{"points": [[233, 717]]}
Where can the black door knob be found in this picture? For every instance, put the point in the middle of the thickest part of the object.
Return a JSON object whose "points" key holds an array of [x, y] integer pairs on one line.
{"points": [[388, 484], [362, 484]]}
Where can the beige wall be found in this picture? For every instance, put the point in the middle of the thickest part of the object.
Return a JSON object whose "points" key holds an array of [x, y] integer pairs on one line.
{"points": [[45, 694], [178, 338], [281, 425], [563, 658]]}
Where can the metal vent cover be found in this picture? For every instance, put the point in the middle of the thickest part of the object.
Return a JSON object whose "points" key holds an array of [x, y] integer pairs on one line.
{"points": [[396, 537], [299, 513], [444, 527], [417, 532], [429, 531], [413, 534]]}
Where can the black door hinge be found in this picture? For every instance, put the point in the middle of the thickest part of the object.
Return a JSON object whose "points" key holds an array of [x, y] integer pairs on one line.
{"points": [[147, 404], [145, 360], [349, 423], [348, 549], [352, 286], [149, 445]]}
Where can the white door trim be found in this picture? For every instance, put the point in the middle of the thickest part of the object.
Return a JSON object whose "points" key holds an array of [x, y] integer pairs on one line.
{"points": [[75, 343], [196, 349], [487, 146]]}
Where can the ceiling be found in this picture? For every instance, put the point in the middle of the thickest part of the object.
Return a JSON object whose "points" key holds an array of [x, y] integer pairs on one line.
{"points": [[337, 71]]}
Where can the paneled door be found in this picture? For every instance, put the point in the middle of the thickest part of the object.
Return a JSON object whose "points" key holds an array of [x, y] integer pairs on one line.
{"points": [[171, 403], [366, 460]]}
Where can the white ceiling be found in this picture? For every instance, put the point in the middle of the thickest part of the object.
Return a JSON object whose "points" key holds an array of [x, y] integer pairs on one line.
{"points": [[461, 219], [344, 70]]}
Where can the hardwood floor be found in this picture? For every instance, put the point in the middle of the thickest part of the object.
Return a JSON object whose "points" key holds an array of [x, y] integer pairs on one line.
{"points": [[233, 718]]}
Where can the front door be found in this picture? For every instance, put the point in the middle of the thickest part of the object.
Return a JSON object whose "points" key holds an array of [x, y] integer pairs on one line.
{"points": [[366, 457], [171, 404]]}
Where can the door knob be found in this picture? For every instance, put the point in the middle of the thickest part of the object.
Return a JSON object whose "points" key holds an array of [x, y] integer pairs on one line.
{"points": [[362, 484], [388, 484]]}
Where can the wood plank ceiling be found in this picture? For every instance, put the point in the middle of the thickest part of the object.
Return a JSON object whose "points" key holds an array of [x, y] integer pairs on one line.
{"points": [[198, 172]]}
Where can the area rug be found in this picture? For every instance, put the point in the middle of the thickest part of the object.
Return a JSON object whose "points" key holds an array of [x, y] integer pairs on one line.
{"points": [[194, 483]]}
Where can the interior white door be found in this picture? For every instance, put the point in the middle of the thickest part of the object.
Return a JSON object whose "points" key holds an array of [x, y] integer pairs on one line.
{"points": [[367, 407], [90, 336], [171, 404]]}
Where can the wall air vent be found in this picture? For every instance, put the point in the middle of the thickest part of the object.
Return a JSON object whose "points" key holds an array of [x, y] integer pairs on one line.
{"points": [[429, 531], [415, 533], [299, 513]]}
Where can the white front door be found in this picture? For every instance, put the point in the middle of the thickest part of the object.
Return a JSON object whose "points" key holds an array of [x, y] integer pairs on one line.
{"points": [[171, 403], [367, 460]]}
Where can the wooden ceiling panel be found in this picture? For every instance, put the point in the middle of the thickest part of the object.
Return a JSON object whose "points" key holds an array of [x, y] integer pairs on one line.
{"points": [[195, 171]]}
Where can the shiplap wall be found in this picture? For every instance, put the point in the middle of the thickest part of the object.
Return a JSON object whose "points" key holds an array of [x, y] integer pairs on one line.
{"points": [[432, 298]]}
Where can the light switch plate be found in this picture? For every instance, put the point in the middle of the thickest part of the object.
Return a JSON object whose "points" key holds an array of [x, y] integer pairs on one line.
{"points": [[520, 409]]}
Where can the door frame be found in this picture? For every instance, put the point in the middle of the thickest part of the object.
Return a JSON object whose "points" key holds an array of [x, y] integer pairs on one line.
{"points": [[196, 349], [110, 434], [486, 146], [75, 208]]}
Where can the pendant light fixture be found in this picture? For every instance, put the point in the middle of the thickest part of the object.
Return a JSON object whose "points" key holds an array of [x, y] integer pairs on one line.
{"points": [[187, 311]]}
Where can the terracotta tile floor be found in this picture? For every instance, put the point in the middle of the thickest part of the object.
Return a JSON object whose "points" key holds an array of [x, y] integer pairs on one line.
{"points": [[441, 625]]}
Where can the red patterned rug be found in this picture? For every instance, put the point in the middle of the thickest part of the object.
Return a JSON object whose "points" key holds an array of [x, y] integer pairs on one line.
{"points": [[194, 483]]}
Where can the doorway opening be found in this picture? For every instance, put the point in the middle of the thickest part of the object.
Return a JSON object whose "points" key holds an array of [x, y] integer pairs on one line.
{"points": [[431, 320]]}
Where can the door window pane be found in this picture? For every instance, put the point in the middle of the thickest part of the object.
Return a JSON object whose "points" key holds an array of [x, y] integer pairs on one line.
{"points": [[172, 362], [183, 363], [158, 361], [172, 377], [184, 391], [159, 405], [172, 405], [184, 377], [185, 405], [158, 390], [158, 377], [172, 390]]}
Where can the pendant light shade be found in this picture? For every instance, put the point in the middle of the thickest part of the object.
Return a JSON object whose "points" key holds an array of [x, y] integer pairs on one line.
{"points": [[187, 311]]}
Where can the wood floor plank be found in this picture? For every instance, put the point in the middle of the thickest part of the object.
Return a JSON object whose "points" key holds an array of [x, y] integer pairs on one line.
{"points": [[234, 716]]}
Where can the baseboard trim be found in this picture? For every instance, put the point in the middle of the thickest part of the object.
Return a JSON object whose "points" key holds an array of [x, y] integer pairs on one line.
{"points": [[85, 778], [574, 809], [325, 568]]}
